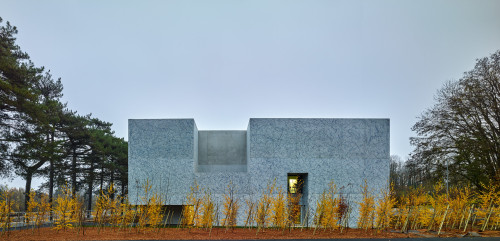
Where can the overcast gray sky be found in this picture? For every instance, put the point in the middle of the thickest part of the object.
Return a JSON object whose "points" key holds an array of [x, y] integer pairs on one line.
{"points": [[223, 62]]}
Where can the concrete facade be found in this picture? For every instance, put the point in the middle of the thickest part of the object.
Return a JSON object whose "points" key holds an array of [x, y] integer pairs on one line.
{"points": [[222, 151], [172, 153]]}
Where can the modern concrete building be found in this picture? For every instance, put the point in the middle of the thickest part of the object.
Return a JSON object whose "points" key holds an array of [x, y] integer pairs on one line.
{"points": [[173, 153]]}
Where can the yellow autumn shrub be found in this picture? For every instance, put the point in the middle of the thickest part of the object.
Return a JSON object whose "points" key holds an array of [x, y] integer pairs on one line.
{"points": [[439, 205], [250, 211], [206, 217], [488, 203], [7, 205], [320, 211], [366, 208], [126, 212], [278, 211], [63, 210], [332, 212], [154, 211], [43, 211], [419, 211], [105, 211], [263, 211], [329, 208], [230, 207], [293, 210], [191, 206], [460, 200], [384, 210], [30, 214], [150, 212], [78, 213]]}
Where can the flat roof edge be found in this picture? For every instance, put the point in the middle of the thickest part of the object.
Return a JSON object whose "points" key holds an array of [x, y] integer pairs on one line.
{"points": [[320, 118], [222, 130], [161, 119]]}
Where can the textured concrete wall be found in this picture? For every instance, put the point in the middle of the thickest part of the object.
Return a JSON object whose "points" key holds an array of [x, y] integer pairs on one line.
{"points": [[226, 162], [347, 151], [222, 151], [163, 152]]}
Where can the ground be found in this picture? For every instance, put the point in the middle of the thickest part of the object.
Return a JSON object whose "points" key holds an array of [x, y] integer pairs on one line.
{"points": [[109, 233]]}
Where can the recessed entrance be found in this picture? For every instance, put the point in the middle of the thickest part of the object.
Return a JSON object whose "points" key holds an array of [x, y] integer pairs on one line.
{"points": [[297, 196]]}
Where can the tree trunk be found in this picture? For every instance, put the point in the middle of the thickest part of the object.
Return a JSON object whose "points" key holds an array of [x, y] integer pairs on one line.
{"points": [[102, 175], [29, 176], [123, 189], [73, 173], [91, 186], [111, 180], [51, 180], [51, 176]]}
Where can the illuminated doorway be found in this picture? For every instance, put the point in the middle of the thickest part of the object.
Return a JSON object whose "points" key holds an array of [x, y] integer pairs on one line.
{"points": [[297, 197]]}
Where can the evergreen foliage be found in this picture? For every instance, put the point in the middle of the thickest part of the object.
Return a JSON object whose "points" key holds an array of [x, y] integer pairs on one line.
{"points": [[41, 137]]}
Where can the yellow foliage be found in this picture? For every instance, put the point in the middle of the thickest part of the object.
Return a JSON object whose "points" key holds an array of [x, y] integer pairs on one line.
{"points": [[460, 200], [488, 199], [127, 213], [332, 207], [439, 205], [403, 211], [293, 208], [187, 218], [278, 211], [190, 209], [419, 209], [328, 210], [30, 214], [366, 208], [250, 211], [154, 213], [320, 212], [150, 212], [413, 210], [421, 212], [63, 210], [263, 213], [231, 207], [7, 204], [106, 207], [207, 211], [78, 213], [384, 209], [43, 210]]}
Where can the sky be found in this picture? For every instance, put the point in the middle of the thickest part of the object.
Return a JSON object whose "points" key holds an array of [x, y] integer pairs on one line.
{"points": [[223, 62]]}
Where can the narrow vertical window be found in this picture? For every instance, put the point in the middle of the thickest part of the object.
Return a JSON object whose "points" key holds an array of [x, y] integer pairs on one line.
{"points": [[293, 184]]}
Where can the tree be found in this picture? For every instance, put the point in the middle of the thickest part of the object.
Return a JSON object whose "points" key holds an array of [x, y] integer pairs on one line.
{"points": [[76, 145], [51, 92], [28, 111], [34, 133], [100, 145], [119, 167], [17, 77], [396, 173], [39, 136], [460, 134]]}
